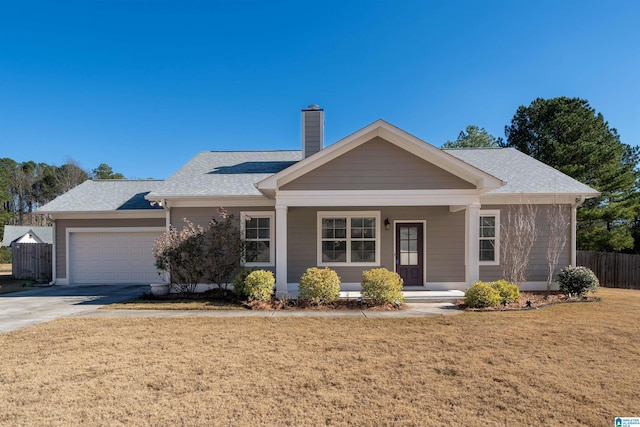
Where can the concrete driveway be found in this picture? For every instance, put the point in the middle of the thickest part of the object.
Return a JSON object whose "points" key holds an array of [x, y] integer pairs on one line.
{"points": [[22, 309]]}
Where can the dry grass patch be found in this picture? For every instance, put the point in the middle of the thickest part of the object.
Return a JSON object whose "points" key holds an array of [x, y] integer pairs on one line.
{"points": [[5, 268], [175, 304], [569, 364]]}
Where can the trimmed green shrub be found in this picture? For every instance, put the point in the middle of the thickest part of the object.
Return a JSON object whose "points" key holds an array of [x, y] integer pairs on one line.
{"points": [[509, 292], [577, 281], [382, 286], [239, 284], [481, 295], [319, 286], [259, 285], [5, 256]]}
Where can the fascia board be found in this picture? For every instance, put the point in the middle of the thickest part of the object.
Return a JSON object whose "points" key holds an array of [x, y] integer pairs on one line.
{"points": [[533, 198], [130, 214]]}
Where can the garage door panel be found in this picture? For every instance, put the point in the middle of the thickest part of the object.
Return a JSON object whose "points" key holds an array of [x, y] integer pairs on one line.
{"points": [[112, 257]]}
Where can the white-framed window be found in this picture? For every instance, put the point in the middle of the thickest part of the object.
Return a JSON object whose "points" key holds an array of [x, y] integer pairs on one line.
{"points": [[257, 232], [349, 238], [489, 251]]}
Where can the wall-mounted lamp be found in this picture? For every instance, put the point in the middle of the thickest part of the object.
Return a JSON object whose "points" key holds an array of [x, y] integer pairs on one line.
{"points": [[387, 224]]}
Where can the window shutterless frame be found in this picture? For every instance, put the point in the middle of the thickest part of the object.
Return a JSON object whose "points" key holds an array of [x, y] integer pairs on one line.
{"points": [[258, 229], [348, 238]]}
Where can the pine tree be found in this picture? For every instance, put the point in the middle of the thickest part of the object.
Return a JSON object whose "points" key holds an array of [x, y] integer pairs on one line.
{"points": [[569, 135]]}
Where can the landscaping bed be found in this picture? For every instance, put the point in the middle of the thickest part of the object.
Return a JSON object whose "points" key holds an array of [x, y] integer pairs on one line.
{"points": [[531, 301], [217, 299]]}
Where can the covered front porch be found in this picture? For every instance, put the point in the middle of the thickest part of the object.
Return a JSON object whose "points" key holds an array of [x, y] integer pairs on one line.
{"points": [[433, 247]]}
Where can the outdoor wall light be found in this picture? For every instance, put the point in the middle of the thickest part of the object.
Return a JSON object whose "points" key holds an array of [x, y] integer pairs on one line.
{"points": [[387, 224]]}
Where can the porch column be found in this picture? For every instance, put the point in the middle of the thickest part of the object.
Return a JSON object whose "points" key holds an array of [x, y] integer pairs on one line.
{"points": [[281, 251], [472, 234]]}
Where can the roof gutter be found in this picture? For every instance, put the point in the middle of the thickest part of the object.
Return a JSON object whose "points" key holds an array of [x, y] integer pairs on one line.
{"points": [[53, 255]]}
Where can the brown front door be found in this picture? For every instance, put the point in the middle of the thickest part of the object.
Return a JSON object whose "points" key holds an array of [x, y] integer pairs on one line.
{"points": [[410, 253]]}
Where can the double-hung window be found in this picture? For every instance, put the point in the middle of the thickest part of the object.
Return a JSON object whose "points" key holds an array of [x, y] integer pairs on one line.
{"points": [[257, 232], [348, 238], [489, 237]]}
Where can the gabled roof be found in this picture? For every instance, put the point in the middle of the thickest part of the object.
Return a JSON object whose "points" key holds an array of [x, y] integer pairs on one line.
{"points": [[15, 232], [481, 179], [103, 196], [225, 174], [522, 174]]}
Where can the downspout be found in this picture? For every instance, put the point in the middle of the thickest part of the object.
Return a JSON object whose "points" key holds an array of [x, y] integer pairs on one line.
{"points": [[53, 254], [574, 225]]}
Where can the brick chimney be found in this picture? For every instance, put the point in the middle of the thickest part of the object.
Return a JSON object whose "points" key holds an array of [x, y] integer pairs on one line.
{"points": [[312, 130]]}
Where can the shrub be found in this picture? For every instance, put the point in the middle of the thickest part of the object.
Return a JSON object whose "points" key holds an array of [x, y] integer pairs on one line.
{"points": [[481, 295], [5, 256], [319, 286], [238, 284], [577, 281], [382, 286], [509, 292], [259, 285]]}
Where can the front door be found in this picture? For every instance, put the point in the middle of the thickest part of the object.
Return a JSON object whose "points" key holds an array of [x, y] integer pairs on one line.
{"points": [[410, 253]]}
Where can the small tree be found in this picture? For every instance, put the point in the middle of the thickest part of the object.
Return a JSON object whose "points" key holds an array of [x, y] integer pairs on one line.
{"points": [[519, 233], [224, 248], [558, 221], [181, 254]]}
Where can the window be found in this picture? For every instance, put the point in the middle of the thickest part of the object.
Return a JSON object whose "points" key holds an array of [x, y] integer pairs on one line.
{"points": [[257, 231], [489, 238], [348, 238]]}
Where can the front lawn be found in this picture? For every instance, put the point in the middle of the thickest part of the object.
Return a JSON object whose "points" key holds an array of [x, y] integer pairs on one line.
{"points": [[568, 364]]}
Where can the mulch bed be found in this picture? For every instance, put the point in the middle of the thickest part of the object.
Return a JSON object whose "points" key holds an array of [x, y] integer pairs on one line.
{"points": [[283, 304], [531, 301]]}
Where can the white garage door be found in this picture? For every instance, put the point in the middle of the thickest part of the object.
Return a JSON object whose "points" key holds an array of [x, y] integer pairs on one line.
{"points": [[112, 257]]}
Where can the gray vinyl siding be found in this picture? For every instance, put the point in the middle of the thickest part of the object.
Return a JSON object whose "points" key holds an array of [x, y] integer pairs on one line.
{"points": [[444, 233], [202, 216], [538, 266], [312, 131], [378, 165], [63, 224]]}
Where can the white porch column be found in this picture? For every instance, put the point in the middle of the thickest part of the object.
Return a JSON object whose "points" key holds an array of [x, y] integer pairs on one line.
{"points": [[281, 251], [472, 235], [574, 232]]}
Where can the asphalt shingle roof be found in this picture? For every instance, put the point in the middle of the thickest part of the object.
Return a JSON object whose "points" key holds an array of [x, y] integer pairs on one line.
{"points": [[14, 232], [226, 173], [107, 195], [236, 173], [521, 173]]}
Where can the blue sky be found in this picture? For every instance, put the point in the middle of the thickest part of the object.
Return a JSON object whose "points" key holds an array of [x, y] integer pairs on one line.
{"points": [[145, 85]]}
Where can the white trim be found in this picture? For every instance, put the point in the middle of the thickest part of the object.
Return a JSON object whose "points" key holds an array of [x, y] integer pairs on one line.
{"points": [[71, 230], [146, 214], [424, 245], [446, 286], [377, 197], [495, 213], [533, 198], [272, 247], [216, 202], [347, 214]]}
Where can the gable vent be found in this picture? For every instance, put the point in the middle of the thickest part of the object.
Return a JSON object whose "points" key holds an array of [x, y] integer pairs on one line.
{"points": [[312, 130]]}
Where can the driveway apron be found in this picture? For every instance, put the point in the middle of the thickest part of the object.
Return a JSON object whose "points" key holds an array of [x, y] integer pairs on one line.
{"points": [[22, 309]]}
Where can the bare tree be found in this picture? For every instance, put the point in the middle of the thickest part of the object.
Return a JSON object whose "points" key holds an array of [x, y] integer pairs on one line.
{"points": [[558, 221], [519, 233], [69, 176]]}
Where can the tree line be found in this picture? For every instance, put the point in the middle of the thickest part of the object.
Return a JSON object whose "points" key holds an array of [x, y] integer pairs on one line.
{"points": [[569, 135], [25, 186]]}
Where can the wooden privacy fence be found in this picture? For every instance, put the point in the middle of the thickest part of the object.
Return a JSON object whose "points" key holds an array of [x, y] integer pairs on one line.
{"points": [[31, 261], [613, 270]]}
